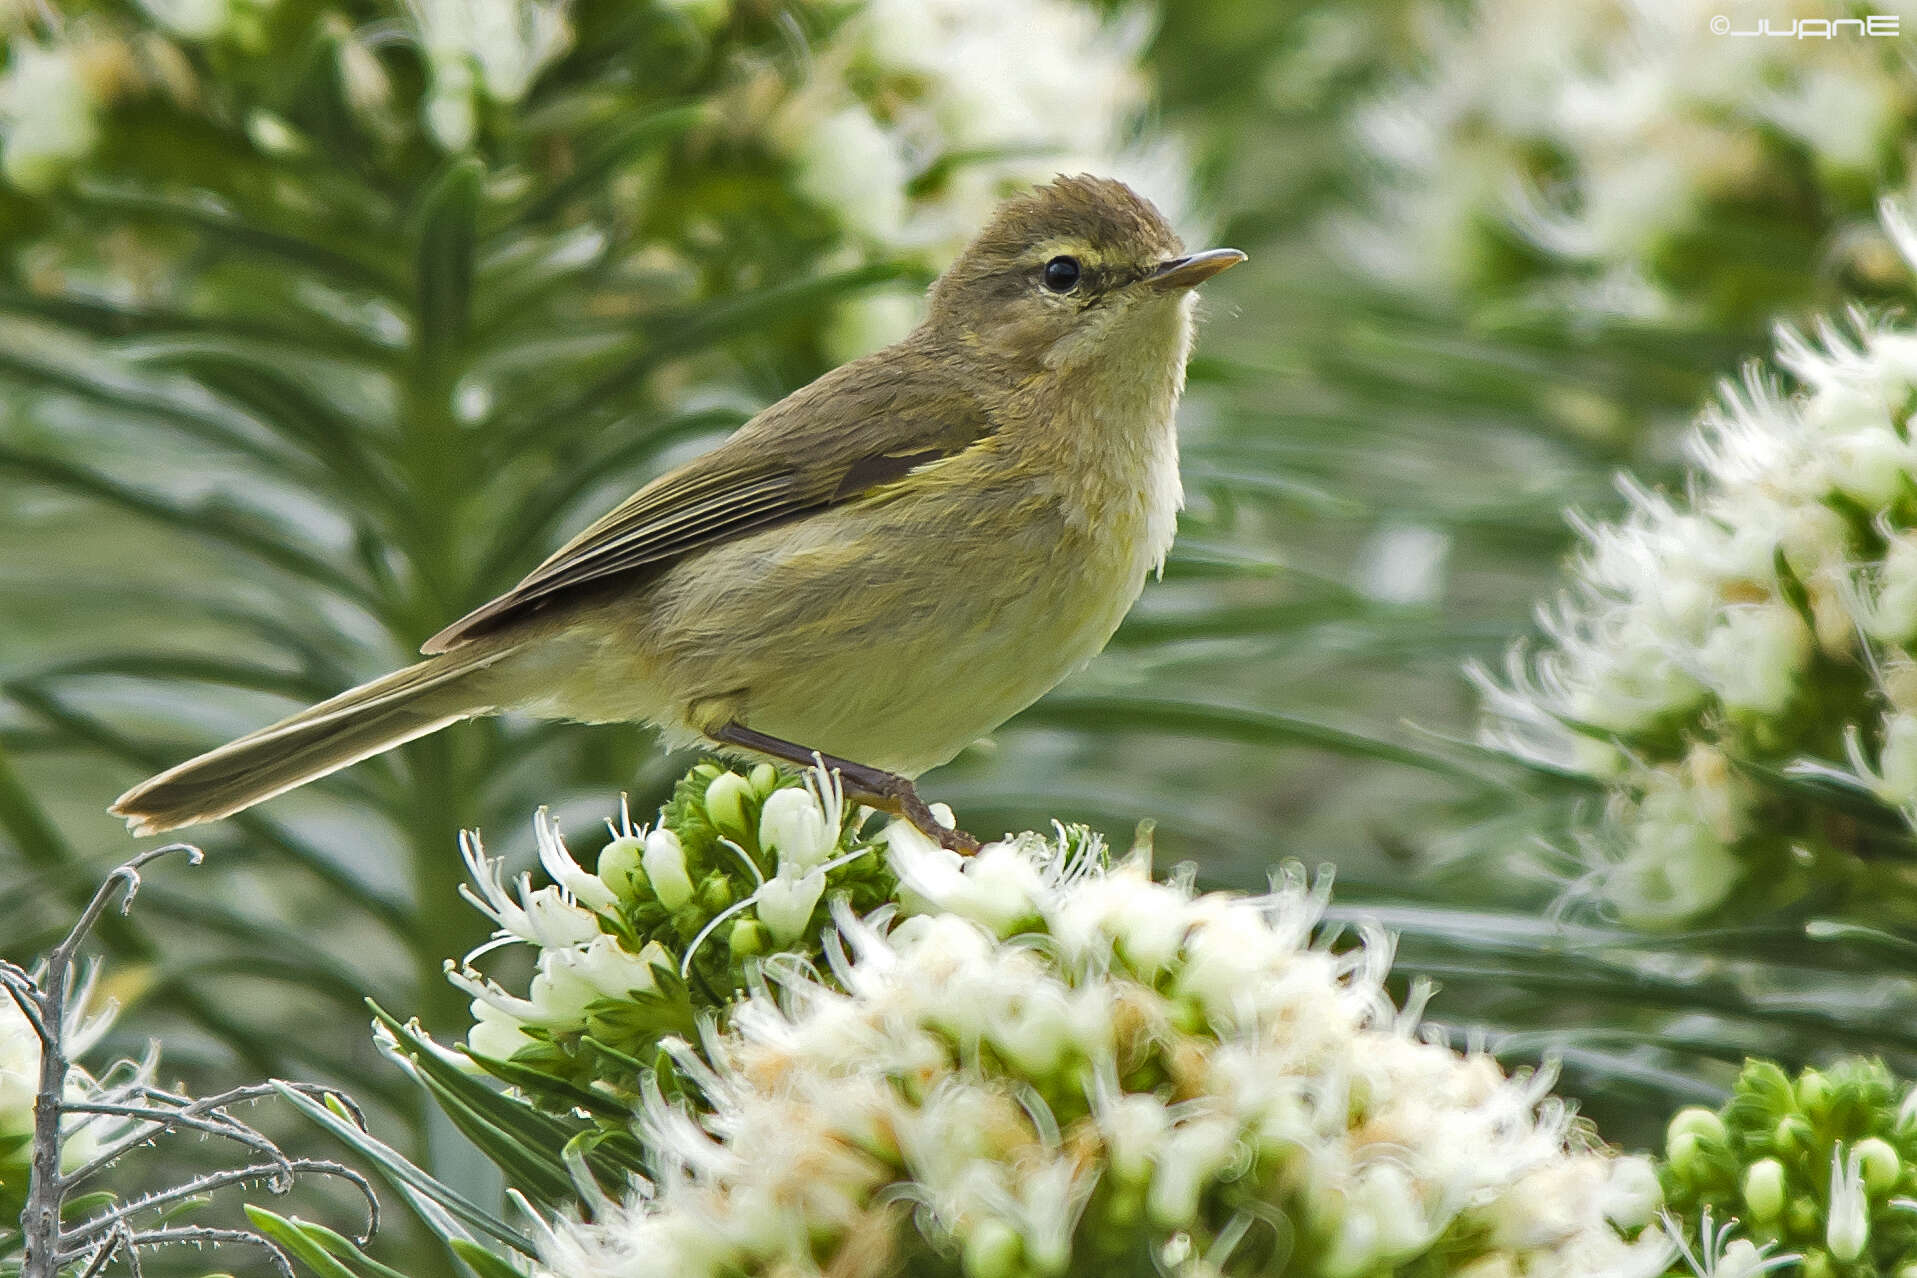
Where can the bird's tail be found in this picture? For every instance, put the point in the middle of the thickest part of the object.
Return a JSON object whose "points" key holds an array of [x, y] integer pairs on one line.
{"points": [[355, 725]]}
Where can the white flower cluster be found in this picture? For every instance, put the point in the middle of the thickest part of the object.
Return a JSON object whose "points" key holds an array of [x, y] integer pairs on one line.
{"points": [[1050, 1067], [917, 116], [582, 925], [580, 956], [239, 20], [1605, 136], [51, 96], [1768, 618], [483, 51]]}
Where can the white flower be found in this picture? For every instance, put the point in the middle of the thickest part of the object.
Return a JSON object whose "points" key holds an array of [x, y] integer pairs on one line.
{"points": [[588, 889], [546, 917], [991, 1085], [1752, 658], [82, 1135], [496, 1033], [1677, 860], [1404, 564], [1126, 914], [193, 19], [786, 900], [846, 161], [1708, 624], [919, 115], [1184, 1164], [665, 865], [47, 108], [494, 48], [566, 981], [1890, 613], [1631, 1195], [997, 886], [1378, 1222], [1847, 1219], [802, 825], [1652, 119]]}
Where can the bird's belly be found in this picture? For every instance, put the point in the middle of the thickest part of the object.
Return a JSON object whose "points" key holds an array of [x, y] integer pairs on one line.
{"points": [[856, 635], [913, 694]]}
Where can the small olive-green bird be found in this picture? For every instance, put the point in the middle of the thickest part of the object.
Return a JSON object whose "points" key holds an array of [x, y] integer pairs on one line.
{"points": [[879, 569]]}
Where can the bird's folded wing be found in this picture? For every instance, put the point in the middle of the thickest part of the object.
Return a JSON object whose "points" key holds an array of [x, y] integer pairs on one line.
{"points": [[794, 459]]}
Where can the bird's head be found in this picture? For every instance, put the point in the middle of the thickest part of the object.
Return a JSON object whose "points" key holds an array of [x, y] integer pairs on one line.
{"points": [[1082, 270]]}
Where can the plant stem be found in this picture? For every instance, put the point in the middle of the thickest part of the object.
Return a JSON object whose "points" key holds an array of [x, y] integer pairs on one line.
{"points": [[46, 1187], [40, 1222]]}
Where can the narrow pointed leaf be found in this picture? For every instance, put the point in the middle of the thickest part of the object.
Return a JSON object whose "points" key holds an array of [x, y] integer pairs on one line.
{"points": [[482, 1262], [444, 271], [399, 1170]]}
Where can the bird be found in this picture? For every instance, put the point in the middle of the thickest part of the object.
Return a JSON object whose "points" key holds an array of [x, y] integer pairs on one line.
{"points": [[869, 575]]}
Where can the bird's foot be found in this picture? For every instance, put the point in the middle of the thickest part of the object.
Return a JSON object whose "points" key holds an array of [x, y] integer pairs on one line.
{"points": [[886, 791], [911, 807]]}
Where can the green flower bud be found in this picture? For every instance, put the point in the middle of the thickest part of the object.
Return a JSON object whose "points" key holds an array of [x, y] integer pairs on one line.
{"points": [[1805, 1216], [1764, 1189], [991, 1251], [1817, 1264], [747, 938], [765, 779], [1686, 1152], [725, 804], [1812, 1091], [1880, 1164], [715, 894], [1793, 1134], [621, 868], [1766, 1083], [1697, 1122]]}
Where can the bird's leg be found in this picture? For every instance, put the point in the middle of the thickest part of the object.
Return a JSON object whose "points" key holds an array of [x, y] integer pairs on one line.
{"points": [[886, 791]]}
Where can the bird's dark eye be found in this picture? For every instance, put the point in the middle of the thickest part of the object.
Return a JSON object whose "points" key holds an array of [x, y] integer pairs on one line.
{"points": [[1061, 274]]}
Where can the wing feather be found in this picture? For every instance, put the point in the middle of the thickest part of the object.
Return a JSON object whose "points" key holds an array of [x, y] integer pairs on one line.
{"points": [[791, 460]]}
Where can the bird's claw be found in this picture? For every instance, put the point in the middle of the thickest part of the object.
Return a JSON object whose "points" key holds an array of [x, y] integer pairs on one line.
{"points": [[914, 809], [951, 840]]}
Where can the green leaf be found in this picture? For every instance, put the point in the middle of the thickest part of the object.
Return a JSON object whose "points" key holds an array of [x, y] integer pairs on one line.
{"points": [[99, 377], [171, 668], [215, 523], [444, 268], [1108, 712], [482, 1262], [562, 1091], [228, 230], [82, 727], [403, 1173], [527, 1142], [117, 319], [676, 333], [319, 1247], [287, 395], [292, 1236], [630, 140], [1902, 949]]}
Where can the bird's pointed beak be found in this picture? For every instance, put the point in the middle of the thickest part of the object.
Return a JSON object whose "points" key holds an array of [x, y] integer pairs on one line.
{"points": [[1192, 269]]}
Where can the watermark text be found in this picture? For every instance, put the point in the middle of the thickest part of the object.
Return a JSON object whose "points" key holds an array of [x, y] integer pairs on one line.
{"points": [[1874, 25]]}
